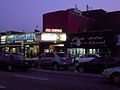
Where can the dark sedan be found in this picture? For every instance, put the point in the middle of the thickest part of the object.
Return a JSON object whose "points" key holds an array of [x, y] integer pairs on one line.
{"points": [[97, 65], [12, 61]]}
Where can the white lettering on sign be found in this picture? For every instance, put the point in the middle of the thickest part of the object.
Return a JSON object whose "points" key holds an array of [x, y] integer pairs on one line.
{"points": [[53, 30]]}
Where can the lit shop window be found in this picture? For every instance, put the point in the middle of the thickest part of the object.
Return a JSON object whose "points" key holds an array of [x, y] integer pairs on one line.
{"points": [[3, 39]]}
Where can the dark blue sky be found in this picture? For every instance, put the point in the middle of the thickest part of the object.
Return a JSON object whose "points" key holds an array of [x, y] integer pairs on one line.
{"points": [[19, 15]]}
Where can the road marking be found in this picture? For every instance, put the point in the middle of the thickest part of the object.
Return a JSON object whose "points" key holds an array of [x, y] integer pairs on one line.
{"points": [[30, 77], [2, 87]]}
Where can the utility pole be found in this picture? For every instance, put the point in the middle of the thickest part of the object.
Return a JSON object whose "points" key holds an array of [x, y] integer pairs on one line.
{"points": [[87, 8]]}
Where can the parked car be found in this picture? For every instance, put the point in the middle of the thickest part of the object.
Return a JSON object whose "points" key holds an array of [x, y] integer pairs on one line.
{"points": [[11, 61], [84, 58], [112, 74], [55, 60], [35, 61], [97, 65]]}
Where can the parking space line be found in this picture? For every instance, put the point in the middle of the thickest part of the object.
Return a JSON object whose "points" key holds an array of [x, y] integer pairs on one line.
{"points": [[2, 87], [30, 77]]}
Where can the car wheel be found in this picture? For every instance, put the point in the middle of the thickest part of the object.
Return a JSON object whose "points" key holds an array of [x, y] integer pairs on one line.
{"points": [[81, 69], [66, 67], [115, 77], [55, 66], [76, 63], [9, 68]]}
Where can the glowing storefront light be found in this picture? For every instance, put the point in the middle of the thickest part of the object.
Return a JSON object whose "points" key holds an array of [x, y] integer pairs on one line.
{"points": [[53, 37], [3, 38], [48, 37], [62, 37], [60, 45], [53, 30], [21, 37]]}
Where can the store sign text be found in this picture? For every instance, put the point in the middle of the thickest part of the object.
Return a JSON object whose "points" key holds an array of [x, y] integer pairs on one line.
{"points": [[53, 30], [53, 37], [23, 37], [93, 40]]}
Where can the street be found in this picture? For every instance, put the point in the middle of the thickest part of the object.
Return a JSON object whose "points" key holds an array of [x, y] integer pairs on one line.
{"points": [[38, 79]]}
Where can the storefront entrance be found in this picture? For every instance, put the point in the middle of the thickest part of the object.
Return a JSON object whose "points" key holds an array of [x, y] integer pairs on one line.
{"points": [[31, 51]]}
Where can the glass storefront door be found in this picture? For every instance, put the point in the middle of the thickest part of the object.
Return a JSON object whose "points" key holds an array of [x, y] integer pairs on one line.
{"points": [[76, 52]]}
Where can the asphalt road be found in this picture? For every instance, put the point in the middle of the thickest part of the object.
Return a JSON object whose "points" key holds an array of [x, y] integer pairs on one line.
{"points": [[37, 79]]}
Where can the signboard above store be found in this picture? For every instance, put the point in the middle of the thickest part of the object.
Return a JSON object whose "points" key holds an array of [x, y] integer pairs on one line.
{"points": [[91, 40], [52, 37], [19, 38], [53, 30]]}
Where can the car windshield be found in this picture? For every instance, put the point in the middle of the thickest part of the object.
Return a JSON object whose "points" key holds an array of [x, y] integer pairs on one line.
{"points": [[62, 54]]}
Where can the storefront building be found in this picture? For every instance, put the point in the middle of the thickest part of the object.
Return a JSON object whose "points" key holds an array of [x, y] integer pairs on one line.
{"points": [[52, 41], [70, 20], [20, 43], [87, 32], [92, 43]]}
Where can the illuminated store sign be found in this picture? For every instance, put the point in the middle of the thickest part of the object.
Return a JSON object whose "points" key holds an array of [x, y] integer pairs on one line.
{"points": [[53, 37], [3, 38], [53, 30], [92, 40], [23, 37]]}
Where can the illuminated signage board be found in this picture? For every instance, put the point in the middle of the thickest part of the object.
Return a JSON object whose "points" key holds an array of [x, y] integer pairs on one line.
{"points": [[53, 30], [92, 40], [23, 37], [53, 37], [3, 39]]}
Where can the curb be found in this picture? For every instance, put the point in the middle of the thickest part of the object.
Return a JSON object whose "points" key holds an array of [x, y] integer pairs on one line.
{"points": [[72, 73]]}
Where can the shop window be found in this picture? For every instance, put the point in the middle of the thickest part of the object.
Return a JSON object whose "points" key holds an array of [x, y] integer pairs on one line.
{"points": [[90, 51], [76, 51], [46, 50], [7, 49]]}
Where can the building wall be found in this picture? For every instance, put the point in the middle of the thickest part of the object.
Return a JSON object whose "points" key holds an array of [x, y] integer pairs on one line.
{"points": [[99, 17], [77, 23], [67, 20], [113, 20], [55, 20]]}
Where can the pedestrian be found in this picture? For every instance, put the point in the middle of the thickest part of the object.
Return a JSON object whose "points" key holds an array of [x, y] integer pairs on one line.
{"points": [[76, 68], [31, 54], [27, 54]]}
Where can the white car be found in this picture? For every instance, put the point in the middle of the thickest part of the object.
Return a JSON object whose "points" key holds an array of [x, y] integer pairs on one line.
{"points": [[112, 74], [85, 58], [55, 60]]}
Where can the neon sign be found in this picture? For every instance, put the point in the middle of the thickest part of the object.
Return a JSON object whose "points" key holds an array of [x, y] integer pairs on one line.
{"points": [[53, 30]]}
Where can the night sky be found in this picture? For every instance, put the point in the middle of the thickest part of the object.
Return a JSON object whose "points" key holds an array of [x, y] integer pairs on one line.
{"points": [[24, 15]]}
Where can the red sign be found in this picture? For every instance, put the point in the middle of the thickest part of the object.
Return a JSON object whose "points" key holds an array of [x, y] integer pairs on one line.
{"points": [[53, 30]]}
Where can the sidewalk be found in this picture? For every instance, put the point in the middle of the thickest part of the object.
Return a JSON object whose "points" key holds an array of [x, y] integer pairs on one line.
{"points": [[72, 73]]}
